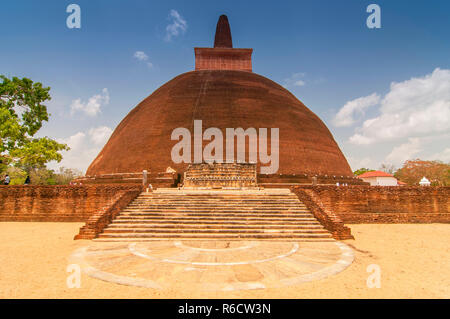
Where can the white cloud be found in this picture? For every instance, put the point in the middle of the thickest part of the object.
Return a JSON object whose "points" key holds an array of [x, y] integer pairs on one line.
{"points": [[346, 115], [93, 106], [75, 141], [100, 135], [443, 156], [141, 56], [295, 80], [84, 147], [178, 25], [365, 162], [360, 140], [419, 107], [405, 151]]}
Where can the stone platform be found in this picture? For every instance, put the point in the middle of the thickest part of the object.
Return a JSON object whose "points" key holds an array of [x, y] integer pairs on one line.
{"points": [[213, 265]]}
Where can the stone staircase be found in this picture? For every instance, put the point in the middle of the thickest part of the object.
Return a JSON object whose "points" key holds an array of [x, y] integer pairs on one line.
{"points": [[272, 214]]}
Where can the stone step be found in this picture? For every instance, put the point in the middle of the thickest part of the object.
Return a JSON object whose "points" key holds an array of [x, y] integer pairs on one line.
{"points": [[218, 209], [212, 231], [261, 199], [228, 207], [216, 214], [186, 194], [209, 226], [213, 195], [236, 207], [256, 204], [243, 221], [217, 203], [153, 239], [216, 220], [295, 216], [208, 201], [256, 236], [214, 210]]}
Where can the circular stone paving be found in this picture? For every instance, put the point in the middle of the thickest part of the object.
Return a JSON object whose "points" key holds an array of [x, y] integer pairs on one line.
{"points": [[213, 265]]}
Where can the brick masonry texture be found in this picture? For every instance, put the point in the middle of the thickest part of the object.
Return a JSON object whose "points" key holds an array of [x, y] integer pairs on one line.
{"points": [[57, 203], [378, 204], [223, 59], [327, 218], [104, 216]]}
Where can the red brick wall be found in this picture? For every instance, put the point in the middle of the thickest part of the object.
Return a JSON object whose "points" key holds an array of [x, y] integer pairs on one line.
{"points": [[223, 59], [104, 216], [56, 203], [377, 204], [289, 180], [331, 221]]}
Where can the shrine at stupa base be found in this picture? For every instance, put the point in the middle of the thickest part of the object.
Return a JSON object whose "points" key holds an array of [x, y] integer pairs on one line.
{"points": [[220, 176]]}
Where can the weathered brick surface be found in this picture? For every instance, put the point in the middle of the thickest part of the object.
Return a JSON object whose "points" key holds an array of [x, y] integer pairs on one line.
{"points": [[104, 216], [223, 59], [56, 203], [378, 204], [289, 180], [158, 180], [331, 221]]}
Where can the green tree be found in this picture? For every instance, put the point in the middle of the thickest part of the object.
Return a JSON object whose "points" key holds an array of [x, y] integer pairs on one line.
{"points": [[22, 114], [362, 171], [17, 175], [42, 176]]}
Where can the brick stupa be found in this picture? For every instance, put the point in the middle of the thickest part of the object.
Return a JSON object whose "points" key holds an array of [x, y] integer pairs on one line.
{"points": [[223, 92]]}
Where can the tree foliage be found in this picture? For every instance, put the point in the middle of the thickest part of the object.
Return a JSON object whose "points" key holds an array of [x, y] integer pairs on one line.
{"points": [[22, 114], [438, 173], [42, 176], [362, 171]]}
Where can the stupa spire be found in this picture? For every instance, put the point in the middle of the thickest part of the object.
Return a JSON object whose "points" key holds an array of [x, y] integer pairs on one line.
{"points": [[223, 33], [223, 56]]}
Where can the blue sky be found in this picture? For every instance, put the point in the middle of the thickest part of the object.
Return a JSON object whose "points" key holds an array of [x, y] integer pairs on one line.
{"points": [[322, 51]]}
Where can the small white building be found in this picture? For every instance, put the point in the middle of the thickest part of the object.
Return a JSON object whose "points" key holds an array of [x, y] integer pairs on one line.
{"points": [[379, 178], [424, 182]]}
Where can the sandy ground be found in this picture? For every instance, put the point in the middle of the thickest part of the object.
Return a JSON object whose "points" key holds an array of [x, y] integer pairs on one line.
{"points": [[414, 262]]}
